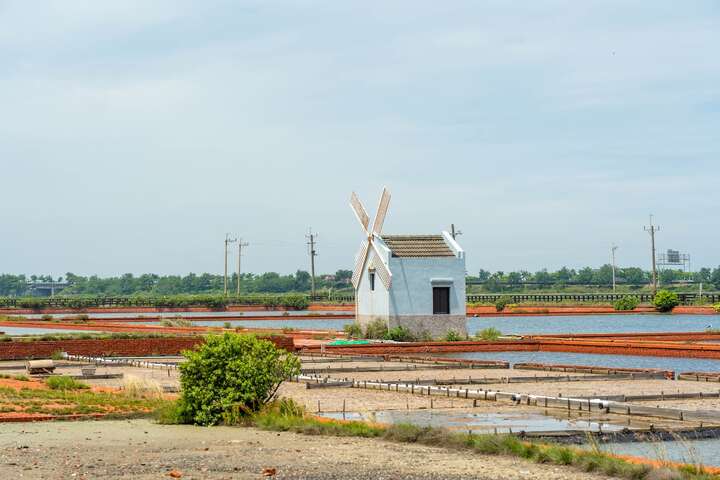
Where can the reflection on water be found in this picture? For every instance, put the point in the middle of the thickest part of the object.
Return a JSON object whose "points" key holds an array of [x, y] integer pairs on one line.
{"points": [[39, 331], [706, 452], [594, 323], [626, 361], [480, 422], [257, 313]]}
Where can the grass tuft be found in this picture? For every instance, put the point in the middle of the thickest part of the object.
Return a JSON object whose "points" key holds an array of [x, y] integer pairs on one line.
{"points": [[65, 383]]}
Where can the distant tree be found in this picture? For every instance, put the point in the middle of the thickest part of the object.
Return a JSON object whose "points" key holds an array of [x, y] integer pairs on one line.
{"points": [[483, 275], [514, 278], [634, 275]]}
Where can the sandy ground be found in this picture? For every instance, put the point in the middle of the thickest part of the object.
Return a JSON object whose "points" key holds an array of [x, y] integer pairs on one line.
{"points": [[690, 404], [139, 449], [364, 401], [361, 400]]}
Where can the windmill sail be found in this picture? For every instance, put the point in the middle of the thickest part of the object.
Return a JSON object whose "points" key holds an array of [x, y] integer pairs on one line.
{"points": [[382, 211]]}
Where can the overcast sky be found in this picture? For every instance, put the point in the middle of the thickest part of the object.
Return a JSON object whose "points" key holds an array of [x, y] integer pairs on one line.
{"points": [[135, 134]]}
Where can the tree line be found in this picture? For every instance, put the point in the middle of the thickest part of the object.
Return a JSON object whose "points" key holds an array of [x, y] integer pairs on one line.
{"points": [[271, 282], [603, 276], [152, 284]]}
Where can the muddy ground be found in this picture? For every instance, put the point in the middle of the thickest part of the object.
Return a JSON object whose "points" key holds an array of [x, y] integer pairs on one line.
{"points": [[140, 449]]}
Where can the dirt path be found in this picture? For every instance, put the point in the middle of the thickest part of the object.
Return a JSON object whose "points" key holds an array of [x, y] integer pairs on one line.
{"points": [[140, 449]]}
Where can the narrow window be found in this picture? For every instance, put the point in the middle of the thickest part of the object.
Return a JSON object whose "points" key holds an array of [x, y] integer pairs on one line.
{"points": [[441, 300], [372, 281]]}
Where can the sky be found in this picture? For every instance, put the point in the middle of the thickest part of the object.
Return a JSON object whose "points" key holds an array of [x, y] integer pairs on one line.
{"points": [[135, 134]]}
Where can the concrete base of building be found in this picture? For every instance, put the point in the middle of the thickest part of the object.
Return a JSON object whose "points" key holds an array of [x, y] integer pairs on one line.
{"points": [[422, 326]]}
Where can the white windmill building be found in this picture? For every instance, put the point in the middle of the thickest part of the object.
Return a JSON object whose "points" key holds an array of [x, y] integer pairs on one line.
{"points": [[414, 281]]}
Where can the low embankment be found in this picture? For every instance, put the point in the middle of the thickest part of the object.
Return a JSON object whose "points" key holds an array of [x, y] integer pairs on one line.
{"points": [[343, 311], [107, 347], [656, 345]]}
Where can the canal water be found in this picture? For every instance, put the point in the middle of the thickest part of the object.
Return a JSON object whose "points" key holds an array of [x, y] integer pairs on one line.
{"points": [[705, 452], [623, 361], [336, 324], [624, 323], [39, 331], [548, 324], [249, 314], [464, 420]]}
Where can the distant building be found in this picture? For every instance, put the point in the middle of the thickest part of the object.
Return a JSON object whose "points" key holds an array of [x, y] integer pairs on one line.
{"points": [[413, 281], [427, 292]]}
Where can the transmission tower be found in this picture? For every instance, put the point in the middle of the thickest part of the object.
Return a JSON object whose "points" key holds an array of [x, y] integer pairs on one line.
{"points": [[312, 241], [652, 229]]}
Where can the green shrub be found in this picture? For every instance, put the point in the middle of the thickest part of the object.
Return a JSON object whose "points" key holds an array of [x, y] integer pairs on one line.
{"points": [[5, 338], [376, 329], [295, 300], [353, 330], [399, 334], [453, 336], [626, 303], [716, 307], [58, 355], [227, 325], [665, 301], [503, 302], [21, 378], [46, 318], [489, 334], [231, 376], [65, 383]]}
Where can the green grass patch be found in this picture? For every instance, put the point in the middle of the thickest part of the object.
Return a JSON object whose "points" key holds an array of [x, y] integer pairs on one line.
{"points": [[65, 383], [489, 334]]}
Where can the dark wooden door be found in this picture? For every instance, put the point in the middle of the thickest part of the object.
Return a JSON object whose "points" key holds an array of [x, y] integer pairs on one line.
{"points": [[441, 300]]}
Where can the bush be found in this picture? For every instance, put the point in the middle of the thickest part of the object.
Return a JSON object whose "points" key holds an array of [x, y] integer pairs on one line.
{"points": [[296, 301], [453, 336], [376, 329], [502, 302], [665, 301], [716, 307], [400, 334], [65, 383], [46, 318], [489, 334], [58, 355], [231, 376], [626, 303], [353, 330]]}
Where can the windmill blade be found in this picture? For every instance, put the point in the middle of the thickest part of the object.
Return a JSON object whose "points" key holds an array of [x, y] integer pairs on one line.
{"points": [[360, 212], [360, 263], [381, 211], [380, 268]]}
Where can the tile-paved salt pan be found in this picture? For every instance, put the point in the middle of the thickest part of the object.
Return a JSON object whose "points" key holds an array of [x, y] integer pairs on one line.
{"points": [[460, 373], [619, 387]]}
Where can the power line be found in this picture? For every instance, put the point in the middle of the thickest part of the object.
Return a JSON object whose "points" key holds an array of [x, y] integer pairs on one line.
{"points": [[228, 240], [651, 230], [454, 233], [612, 259], [312, 241], [241, 244]]}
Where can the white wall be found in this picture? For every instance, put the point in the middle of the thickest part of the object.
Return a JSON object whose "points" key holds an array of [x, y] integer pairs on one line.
{"points": [[411, 292], [373, 303]]}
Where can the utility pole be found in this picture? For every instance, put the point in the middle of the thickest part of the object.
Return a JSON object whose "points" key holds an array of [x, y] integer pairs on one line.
{"points": [[612, 258], [312, 239], [241, 244], [651, 230], [228, 240], [454, 233]]}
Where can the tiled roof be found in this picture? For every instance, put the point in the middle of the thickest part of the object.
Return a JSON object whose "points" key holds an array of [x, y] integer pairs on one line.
{"points": [[417, 246]]}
